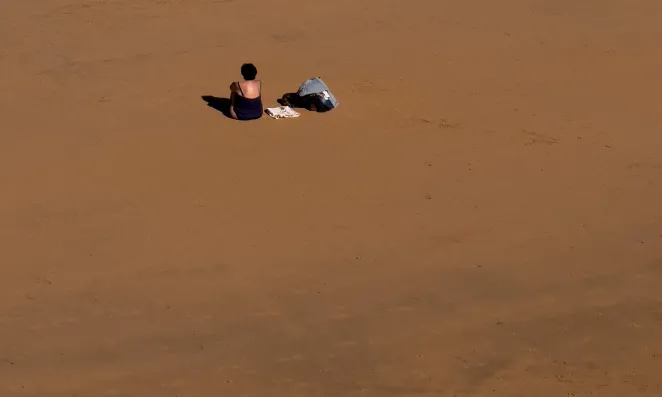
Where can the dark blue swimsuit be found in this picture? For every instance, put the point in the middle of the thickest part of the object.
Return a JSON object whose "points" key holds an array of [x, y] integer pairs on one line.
{"points": [[247, 108]]}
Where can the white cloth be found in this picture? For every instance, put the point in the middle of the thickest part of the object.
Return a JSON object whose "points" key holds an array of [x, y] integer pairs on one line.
{"points": [[283, 112]]}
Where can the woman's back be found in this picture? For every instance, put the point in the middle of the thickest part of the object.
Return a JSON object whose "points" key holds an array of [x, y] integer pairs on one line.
{"points": [[247, 100], [250, 89]]}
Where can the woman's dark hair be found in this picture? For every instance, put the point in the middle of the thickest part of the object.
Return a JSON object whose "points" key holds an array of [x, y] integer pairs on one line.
{"points": [[249, 71]]}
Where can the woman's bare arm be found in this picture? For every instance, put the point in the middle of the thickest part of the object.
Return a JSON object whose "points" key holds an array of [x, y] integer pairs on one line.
{"points": [[233, 91]]}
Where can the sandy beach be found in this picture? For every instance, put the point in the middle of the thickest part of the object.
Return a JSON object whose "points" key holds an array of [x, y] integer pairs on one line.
{"points": [[481, 215]]}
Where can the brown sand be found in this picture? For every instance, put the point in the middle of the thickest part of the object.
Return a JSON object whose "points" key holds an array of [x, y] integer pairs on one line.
{"points": [[481, 216]]}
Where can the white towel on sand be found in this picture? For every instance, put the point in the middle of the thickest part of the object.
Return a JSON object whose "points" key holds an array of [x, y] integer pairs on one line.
{"points": [[283, 112]]}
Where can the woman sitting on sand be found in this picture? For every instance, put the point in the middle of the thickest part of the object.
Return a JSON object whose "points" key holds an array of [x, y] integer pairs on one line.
{"points": [[246, 100]]}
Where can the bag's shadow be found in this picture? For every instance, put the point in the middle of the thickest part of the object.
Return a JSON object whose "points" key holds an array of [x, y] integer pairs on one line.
{"points": [[220, 104]]}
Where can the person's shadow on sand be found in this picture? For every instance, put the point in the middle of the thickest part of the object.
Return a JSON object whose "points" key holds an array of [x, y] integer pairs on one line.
{"points": [[220, 104]]}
